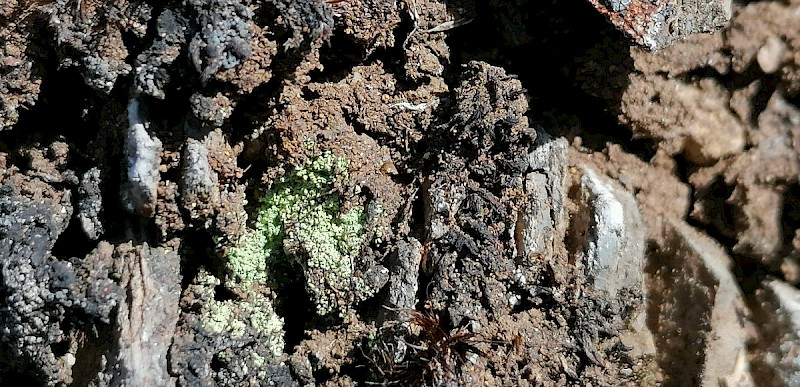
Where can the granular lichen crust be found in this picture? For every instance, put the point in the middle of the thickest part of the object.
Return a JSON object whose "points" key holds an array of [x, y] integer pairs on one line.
{"points": [[302, 220], [243, 336], [232, 317], [91, 37], [43, 298], [222, 41]]}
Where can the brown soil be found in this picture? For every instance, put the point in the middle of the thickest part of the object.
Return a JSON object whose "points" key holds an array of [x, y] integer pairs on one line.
{"points": [[438, 106]]}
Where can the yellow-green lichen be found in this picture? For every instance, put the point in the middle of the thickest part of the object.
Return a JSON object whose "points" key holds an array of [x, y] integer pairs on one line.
{"points": [[247, 261], [217, 317], [235, 318], [301, 219]]}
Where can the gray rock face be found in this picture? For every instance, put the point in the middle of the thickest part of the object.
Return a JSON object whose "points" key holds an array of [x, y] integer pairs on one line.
{"points": [[143, 155], [199, 184], [147, 316], [91, 38], [544, 223], [520, 277], [610, 236], [42, 296], [404, 278], [152, 71], [614, 251], [90, 204], [30, 312], [244, 336], [656, 24], [223, 40]]}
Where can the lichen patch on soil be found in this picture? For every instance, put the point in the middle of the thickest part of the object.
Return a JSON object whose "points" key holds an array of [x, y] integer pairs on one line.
{"points": [[443, 167]]}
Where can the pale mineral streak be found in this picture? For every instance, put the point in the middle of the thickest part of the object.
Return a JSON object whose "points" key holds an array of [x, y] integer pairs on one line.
{"points": [[143, 155]]}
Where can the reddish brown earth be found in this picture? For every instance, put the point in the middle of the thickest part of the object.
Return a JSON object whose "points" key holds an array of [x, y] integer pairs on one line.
{"points": [[484, 139]]}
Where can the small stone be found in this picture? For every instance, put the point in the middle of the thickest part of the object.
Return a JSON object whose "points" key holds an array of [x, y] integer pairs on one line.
{"points": [[770, 55]]}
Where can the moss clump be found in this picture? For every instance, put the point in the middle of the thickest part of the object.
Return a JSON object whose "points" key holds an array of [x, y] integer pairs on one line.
{"points": [[300, 219]]}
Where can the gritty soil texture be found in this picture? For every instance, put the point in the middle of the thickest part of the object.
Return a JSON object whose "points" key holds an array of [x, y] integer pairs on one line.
{"points": [[438, 106]]}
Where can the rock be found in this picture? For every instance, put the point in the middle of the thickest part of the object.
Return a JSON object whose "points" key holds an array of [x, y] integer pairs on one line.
{"points": [[544, 224], [223, 40], [776, 359], [46, 303], [759, 34], [211, 110], [750, 197], [94, 292], [771, 54], [404, 278], [609, 225], [93, 40], [199, 188], [32, 288], [147, 316], [441, 205], [151, 71], [614, 235], [228, 342], [740, 376], [143, 154], [696, 309], [659, 193], [656, 24], [90, 204], [21, 82]]}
